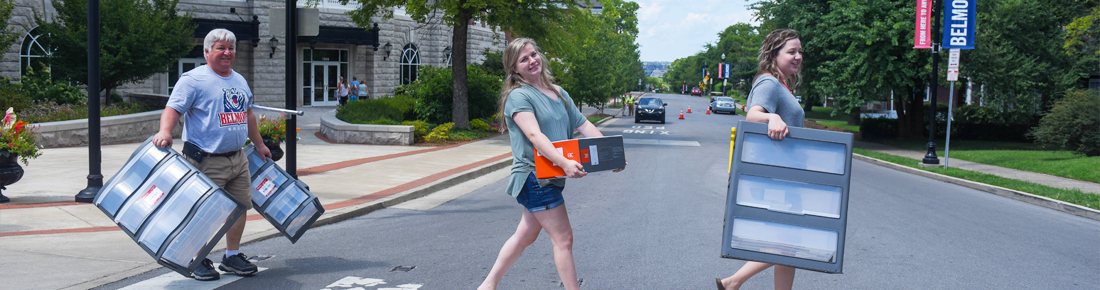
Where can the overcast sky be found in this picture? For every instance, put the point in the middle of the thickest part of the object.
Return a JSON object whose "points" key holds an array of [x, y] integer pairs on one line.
{"points": [[672, 29]]}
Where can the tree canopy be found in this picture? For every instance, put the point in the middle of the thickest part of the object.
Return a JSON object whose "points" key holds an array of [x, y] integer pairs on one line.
{"points": [[532, 18], [139, 38]]}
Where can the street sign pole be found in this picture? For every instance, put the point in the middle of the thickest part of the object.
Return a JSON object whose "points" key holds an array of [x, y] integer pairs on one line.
{"points": [[952, 76]]}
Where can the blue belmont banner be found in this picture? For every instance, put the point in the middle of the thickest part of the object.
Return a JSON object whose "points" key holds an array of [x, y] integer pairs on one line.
{"points": [[958, 23]]}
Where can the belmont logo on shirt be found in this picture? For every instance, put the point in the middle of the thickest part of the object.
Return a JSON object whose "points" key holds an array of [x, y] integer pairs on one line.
{"points": [[235, 110]]}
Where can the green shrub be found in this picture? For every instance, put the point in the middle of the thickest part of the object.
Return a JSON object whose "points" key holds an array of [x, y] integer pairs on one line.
{"points": [[480, 125], [12, 96], [368, 111], [466, 135], [434, 94], [38, 86], [1073, 123], [420, 129], [440, 133], [383, 121]]}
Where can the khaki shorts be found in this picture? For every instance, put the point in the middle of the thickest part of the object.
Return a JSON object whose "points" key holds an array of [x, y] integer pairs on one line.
{"points": [[231, 173]]}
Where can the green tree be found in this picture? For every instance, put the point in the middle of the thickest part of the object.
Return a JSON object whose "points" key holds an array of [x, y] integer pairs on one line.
{"points": [[531, 18], [607, 62], [7, 35], [138, 38], [869, 55]]}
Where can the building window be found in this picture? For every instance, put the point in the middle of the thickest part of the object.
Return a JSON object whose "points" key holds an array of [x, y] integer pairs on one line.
{"points": [[194, 59], [410, 61], [33, 52]]}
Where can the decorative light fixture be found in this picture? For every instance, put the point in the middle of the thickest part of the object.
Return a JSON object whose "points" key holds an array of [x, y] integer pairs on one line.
{"points": [[274, 42], [387, 48]]}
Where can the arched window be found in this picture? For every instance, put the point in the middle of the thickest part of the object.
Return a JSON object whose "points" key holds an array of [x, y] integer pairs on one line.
{"points": [[33, 52], [410, 61]]}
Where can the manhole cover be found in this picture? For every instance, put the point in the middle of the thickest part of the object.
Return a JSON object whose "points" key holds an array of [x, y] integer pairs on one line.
{"points": [[403, 268]]}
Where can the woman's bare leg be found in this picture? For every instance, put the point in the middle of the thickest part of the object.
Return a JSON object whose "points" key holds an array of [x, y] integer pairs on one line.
{"points": [[556, 223], [526, 233], [747, 271], [784, 277]]}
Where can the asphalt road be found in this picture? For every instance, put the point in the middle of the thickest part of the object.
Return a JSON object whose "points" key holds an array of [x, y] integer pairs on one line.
{"points": [[658, 225]]}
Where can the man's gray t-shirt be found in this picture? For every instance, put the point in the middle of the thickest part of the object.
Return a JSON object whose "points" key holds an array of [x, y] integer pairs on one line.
{"points": [[775, 98], [554, 122], [214, 108]]}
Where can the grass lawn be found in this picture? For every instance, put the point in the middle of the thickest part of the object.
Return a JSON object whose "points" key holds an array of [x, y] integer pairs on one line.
{"points": [[1015, 155], [597, 118], [1072, 196]]}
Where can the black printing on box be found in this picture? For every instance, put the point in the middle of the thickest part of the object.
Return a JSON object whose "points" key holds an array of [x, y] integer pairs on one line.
{"points": [[605, 153]]}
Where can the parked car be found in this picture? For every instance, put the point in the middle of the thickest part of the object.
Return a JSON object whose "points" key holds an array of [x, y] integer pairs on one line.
{"points": [[650, 109], [696, 92], [723, 105]]}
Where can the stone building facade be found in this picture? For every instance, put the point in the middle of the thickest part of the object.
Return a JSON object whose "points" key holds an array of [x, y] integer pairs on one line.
{"points": [[341, 50]]}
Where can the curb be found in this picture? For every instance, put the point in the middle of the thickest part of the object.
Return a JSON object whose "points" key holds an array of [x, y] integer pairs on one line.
{"points": [[330, 216], [1005, 192]]}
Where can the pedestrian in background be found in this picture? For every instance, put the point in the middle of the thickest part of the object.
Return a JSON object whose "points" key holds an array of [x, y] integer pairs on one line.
{"points": [[215, 101], [354, 94], [537, 113], [629, 104], [772, 101], [364, 93], [342, 90]]}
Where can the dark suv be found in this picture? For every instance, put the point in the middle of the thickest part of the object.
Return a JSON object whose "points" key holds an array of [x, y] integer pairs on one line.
{"points": [[650, 109]]}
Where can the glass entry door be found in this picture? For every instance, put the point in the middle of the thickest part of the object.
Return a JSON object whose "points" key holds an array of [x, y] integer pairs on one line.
{"points": [[325, 77]]}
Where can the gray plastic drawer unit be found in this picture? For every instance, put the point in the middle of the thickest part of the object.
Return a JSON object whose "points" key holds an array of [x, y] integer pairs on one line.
{"points": [[787, 200], [173, 211], [283, 201]]}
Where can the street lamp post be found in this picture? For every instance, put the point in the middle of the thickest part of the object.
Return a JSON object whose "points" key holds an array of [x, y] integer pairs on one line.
{"points": [[930, 158], [95, 178], [723, 64]]}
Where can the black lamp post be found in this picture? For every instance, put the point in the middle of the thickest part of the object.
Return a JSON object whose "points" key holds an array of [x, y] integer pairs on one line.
{"points": [[291, 86], [95, 178], [930, 158]]}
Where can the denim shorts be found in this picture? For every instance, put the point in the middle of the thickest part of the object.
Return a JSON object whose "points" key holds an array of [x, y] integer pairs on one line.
{"points": [[536, 198]]}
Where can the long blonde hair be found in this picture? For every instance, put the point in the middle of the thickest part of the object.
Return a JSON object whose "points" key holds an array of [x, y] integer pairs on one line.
{"points": [[512, 79], [769, 51]]}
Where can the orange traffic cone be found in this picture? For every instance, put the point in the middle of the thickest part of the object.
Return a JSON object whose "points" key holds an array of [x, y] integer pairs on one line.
{"points": [[708, 111], [689, 109], [681, 114]]}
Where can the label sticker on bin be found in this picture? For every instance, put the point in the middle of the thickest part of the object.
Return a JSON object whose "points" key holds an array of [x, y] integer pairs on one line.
{"points": [[283, 201], [787, 200], [168, 207]]}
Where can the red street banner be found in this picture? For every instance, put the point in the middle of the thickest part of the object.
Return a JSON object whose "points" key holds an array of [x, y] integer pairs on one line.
{"points": [[923, 36]]}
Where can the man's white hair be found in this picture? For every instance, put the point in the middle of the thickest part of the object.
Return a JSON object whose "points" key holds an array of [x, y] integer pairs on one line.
{"points": [[218, 34]]}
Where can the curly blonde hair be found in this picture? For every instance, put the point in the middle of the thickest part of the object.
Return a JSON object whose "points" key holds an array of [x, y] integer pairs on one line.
{"points": [[769, 51]]}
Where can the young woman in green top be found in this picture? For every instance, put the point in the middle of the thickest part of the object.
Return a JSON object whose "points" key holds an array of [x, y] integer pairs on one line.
{"points": [[538, 113]]}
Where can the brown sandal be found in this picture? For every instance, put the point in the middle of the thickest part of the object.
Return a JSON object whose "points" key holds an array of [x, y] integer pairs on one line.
{"points": [[719, 282]]}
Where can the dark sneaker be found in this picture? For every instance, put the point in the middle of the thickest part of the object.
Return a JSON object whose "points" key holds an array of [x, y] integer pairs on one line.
{"points": [[238, 264], [205, 271]]}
